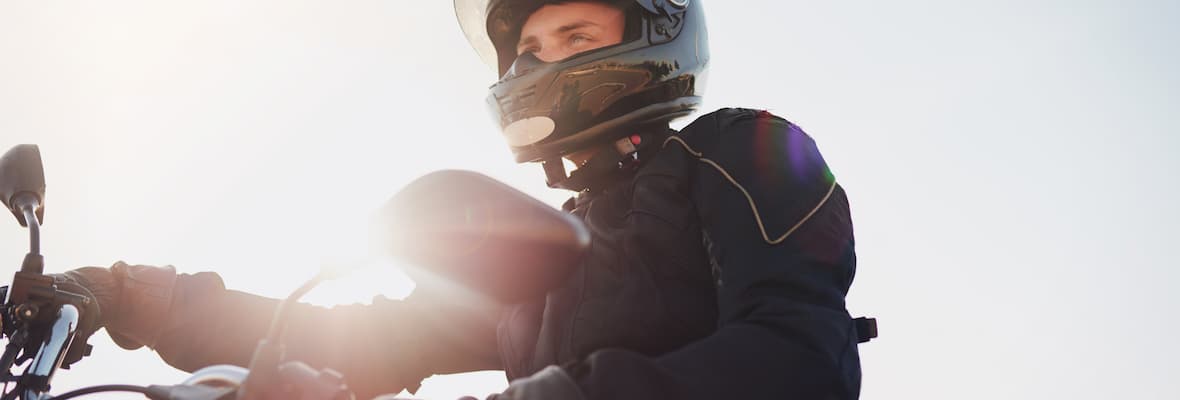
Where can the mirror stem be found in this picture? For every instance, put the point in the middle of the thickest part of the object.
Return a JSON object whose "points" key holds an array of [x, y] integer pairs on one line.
{"points": [[34, 229], [34, 262]]}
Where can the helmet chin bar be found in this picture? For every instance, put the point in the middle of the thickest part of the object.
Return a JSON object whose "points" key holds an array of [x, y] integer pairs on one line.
{"points": [[643, 119]]}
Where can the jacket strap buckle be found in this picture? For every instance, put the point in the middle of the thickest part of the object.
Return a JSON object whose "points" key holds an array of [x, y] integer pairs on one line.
{"points": [[866, 329]]}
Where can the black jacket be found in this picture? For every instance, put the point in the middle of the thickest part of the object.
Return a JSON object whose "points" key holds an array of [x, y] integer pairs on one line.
{"points": [[718, 269]]}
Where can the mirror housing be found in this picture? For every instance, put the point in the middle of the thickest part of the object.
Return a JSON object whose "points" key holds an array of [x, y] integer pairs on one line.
{"points": [[22, 181], [483, 234]]}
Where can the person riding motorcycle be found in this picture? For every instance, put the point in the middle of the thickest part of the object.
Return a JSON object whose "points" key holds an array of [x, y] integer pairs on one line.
{"points": [[721, 253]]}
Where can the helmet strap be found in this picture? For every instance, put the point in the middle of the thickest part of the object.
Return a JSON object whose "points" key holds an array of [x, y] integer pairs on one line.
{"points": [[629, 153], [554, 172]]}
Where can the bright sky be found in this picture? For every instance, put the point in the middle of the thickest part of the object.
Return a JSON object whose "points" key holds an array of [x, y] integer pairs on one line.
{"points": [[1012, 164]]}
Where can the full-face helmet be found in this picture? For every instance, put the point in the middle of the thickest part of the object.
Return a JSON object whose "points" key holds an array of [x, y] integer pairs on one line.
{"points": [[547, 110]]}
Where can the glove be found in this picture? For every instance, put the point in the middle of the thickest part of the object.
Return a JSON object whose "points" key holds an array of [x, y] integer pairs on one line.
{"points": [[88, 321], [133, 301], [551, 383]]}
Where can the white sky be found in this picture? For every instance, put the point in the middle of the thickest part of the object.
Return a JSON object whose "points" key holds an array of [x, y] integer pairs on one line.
{"points": [[1012, 164]]}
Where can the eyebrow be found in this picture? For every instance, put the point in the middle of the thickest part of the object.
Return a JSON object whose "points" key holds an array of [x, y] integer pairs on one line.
{"points": [[566, 28]]}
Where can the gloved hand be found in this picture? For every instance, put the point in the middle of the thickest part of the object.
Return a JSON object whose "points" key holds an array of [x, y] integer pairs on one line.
{"points": [[551, 383], [132, 302], [91, 313]]}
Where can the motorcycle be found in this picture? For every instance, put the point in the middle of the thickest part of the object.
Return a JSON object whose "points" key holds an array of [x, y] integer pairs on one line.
{"points": [[460, 225]]}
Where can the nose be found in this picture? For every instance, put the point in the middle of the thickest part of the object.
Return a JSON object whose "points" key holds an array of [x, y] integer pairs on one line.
{"points": [[552, 55], [524, 63]]}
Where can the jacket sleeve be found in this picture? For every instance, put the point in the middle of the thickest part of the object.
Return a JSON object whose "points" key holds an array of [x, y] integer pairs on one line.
{"points": [[778, 232], [382, 347]]}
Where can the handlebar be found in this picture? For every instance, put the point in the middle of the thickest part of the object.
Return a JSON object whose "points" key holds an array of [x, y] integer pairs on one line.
{"points": [[53, 349], [51, 340], [45, 343]]}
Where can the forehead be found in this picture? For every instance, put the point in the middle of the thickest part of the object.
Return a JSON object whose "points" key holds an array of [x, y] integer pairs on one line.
{"points": [[554, 18]]}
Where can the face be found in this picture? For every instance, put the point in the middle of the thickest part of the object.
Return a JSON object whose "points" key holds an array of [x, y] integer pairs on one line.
{"points": [[557, 31]]}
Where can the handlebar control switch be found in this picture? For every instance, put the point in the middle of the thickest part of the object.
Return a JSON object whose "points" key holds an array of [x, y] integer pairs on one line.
{"points": [[30, 286]]}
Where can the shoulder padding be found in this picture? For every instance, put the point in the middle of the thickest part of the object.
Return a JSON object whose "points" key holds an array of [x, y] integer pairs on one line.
{"points": [[759, 162]]}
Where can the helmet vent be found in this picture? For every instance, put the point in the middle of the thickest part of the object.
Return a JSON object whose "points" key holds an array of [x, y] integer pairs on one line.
{"points": [[513, 100], [527, 93]]}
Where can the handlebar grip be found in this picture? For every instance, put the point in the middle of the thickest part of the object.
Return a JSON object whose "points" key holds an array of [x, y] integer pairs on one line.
{"points": [[53, 349]]}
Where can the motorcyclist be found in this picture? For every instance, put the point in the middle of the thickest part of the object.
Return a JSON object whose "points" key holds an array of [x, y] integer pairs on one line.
{"points": [[721, 253]]}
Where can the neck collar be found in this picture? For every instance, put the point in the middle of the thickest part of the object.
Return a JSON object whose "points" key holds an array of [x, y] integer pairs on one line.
{"points": [[622, 159]]}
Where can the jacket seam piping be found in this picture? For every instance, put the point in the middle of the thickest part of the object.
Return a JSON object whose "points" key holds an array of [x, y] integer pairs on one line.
{"points": [[574, 320], [750, 199]]}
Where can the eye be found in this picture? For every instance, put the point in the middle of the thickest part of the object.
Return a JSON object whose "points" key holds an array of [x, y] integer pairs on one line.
{"points": [[529, 49], [578, 39]]}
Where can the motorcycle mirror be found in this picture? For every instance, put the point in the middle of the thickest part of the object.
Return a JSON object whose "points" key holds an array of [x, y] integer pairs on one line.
{"points": [[22, 181], [472, 229]]}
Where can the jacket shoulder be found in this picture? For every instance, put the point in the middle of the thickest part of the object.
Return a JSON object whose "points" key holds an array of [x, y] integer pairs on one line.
{"points": [[754, 161], [756, 139], [725, 118], [729, 115]]}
